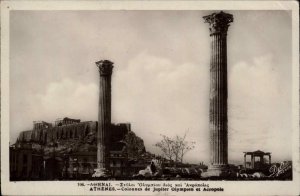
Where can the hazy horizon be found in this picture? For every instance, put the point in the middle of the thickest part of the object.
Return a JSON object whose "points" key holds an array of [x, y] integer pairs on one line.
{"points": [[160, 81]]}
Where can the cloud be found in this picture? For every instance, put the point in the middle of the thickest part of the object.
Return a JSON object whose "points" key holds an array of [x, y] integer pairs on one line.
{"points": [[259, 116], [161, 97], [60, 99], [70, 98]]}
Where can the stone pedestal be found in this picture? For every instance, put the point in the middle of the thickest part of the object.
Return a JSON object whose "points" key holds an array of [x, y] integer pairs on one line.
{"points": [[217, 171], [104, 118], [219, 23], [101, 173]]}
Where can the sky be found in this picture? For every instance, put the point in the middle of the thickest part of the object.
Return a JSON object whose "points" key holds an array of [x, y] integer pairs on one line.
{"points": [[160, 81]]}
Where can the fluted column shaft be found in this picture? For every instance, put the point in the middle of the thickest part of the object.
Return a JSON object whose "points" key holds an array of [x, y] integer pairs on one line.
{"points": [[218, 100], [219, 23], [104, 113]]}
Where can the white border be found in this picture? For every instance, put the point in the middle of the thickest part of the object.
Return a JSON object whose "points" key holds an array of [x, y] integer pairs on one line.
{"points": [[70, 187]]}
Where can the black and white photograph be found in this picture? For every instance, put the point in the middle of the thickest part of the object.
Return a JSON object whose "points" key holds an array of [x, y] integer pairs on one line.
{"points": [[149, 101]]}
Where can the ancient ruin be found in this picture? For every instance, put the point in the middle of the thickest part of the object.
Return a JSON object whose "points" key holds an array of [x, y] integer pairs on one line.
{"points": [[218, 26], [253, 164], [104, 118]]}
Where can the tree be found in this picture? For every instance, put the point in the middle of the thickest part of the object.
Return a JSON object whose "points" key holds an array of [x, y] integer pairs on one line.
{"points": [[183, 146], [166, 146], [175, 148]]}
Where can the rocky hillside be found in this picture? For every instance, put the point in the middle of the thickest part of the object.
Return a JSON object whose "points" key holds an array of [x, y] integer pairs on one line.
{"points": [[133, 145]]}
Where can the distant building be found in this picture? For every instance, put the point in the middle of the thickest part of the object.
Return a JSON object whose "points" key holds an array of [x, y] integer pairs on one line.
{"points": [[41, 125], [257, 160], [25, 162], [66, 121]]}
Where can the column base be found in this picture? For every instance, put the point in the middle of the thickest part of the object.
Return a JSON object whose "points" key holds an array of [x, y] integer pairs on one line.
{"points": [[216, 171], [101, 173]]}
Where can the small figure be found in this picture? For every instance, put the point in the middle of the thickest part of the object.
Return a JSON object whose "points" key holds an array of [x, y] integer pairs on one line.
{"points": [[153, 167]]}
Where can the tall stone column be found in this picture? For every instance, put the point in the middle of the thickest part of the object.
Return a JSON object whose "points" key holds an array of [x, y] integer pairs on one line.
{"points": [[219, 23], [104, 118]]}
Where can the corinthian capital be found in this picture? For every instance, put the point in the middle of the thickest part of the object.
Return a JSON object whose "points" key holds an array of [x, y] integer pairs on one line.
{"points": [[219, 22], [105, 67]]}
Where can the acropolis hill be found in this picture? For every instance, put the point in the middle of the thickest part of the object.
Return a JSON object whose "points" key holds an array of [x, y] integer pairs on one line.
{"points": [[70, 135], [70, 147]]}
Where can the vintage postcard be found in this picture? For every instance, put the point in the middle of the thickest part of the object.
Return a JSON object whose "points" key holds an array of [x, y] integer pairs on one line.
{"points": [[149, 98]]}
